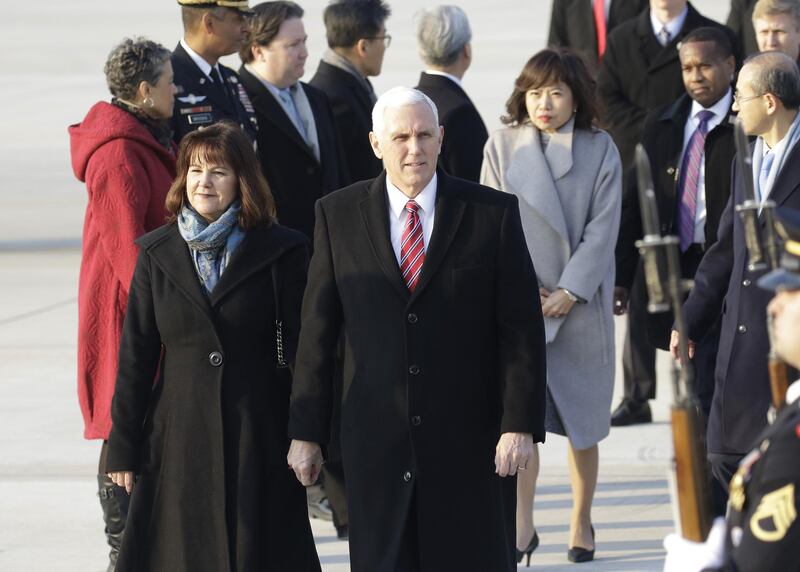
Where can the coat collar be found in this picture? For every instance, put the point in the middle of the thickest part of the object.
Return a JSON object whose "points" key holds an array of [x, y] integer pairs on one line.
{"points": [[540, 192], [221, 96], [429, 80], [266, 105], [375, 216], [345, 78], [655, 54], [788, 180], [260, 248]]}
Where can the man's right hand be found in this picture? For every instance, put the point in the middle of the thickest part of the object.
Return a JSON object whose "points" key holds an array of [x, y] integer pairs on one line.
{"points": [[305, 459], [674, 343]]}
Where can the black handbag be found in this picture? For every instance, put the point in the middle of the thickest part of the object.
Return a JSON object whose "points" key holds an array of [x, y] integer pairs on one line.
{"points": [[279, 350]]}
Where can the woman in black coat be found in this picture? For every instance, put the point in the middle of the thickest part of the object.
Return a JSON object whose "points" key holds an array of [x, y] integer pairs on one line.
{"points": [[203, 449]]}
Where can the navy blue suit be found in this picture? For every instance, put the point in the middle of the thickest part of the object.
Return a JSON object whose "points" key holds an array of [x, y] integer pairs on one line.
{"points": [[723, 284]]}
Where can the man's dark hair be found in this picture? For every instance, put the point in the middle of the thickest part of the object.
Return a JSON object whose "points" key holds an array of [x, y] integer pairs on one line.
{"points": [[348, 21], [266, 22], [722, 43]]}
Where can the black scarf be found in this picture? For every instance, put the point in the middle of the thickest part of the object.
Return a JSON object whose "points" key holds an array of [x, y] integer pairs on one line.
{"points": [[158, 128]]}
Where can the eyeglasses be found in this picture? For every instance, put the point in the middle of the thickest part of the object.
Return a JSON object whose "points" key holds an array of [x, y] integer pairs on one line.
{"points": [[387, 39], [739, 99]]}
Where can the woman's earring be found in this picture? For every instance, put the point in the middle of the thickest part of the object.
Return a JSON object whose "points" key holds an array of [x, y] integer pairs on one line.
{"points": [[148, 102]]}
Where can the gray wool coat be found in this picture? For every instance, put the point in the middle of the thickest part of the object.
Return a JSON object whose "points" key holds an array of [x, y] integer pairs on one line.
{"points": [[569, 199]]}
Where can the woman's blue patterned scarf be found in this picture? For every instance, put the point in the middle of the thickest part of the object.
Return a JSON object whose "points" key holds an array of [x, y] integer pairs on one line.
{"points": [[211, 244]]}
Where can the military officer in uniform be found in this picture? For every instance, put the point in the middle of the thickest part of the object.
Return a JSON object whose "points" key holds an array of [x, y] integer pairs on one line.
{"points": [[762, 532], [207, 91]]}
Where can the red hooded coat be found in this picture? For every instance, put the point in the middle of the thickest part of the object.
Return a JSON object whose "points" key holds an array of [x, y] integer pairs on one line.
{"points": [[127, 174]]}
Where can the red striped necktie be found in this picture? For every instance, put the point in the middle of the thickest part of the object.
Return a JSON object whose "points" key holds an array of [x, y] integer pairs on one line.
{"points": [[412, 247]]}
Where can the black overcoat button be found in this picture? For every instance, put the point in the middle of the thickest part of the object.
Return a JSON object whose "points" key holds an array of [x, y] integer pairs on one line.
{"points": [[215, 359], [413, 319], [407, 476], [416, 421], [413, 370]]}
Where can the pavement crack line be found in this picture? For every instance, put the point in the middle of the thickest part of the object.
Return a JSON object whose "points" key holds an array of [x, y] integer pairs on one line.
{"points": [[38, 311]]}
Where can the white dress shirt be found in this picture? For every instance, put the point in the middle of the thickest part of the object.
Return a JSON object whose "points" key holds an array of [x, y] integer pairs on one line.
{"points": [[204, 66], [673, 26], [720, 111], [397, 213]]}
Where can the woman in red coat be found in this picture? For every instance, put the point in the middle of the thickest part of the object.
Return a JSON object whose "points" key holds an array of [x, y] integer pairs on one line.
{"points": [[123, 150]]}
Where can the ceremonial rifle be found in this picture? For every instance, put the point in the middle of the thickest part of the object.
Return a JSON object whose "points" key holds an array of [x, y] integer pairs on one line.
{"points": [[749, 210], [666, 289]]}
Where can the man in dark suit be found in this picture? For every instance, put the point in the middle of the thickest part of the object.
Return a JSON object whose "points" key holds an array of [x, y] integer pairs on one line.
{"points": [[691, 148], [641, 71], [740, 21], [444, 371], [777, 26], [298, 142], [767, 101], [584, 25], [357, 38], [443, 42], [207, 91]]}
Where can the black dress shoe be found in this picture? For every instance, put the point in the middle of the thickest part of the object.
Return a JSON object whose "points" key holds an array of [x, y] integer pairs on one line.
{"points": [[578, 554], [528, 549], [342, 532], [631, 413]]}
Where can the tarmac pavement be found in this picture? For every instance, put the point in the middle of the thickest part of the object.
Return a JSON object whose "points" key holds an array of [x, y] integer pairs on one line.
{"points": [[52, 54]]}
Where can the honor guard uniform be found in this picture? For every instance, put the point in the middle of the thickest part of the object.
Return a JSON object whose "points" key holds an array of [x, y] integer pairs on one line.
{"points": [[205, 93], [762, 531]]}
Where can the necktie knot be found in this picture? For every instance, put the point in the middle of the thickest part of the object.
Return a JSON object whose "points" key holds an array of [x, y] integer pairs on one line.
{"points": [[412, 206], [703, 117], [664, 36]]}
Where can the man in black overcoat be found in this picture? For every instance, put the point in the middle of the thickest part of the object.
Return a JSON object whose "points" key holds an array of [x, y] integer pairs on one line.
{"points": [[298, 143], [641, 71], [767, 101], [574, 25], [444, 43], [708, 66], [207, 91], [357, 38], [444, 369]]}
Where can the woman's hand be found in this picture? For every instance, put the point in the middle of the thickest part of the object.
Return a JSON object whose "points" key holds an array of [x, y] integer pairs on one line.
{"points": [[122, 479], [543, 294], [557, 304]]}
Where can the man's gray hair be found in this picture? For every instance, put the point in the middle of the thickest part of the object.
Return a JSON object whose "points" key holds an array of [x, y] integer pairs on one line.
{"points": [[399, 97], [776, 73], [442, 33], [131, 62]]}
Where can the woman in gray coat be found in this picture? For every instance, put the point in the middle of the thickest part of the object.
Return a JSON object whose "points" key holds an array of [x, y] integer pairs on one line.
{"points": [[567, 175]]}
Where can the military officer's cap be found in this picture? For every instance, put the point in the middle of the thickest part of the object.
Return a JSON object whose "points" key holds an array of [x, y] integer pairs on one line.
{"points": [[787, 277], [240, 5]]}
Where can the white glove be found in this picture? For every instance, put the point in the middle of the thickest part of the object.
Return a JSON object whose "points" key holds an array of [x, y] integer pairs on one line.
{"points": [[687, 556]]}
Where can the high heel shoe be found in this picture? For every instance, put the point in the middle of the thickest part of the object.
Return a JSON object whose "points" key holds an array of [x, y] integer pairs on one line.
{"points": [[578, 554], [532, 545]]}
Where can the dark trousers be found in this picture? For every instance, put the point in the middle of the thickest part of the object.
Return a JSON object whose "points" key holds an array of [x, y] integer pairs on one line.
{"points": [[723, 467], [638, 356]]}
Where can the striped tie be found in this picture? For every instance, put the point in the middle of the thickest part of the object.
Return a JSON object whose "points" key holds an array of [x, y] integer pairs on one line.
{"points": [[412, 247], [690, 169]]}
